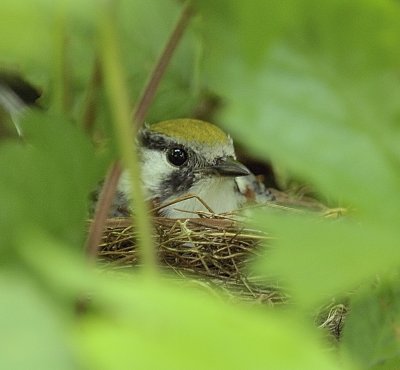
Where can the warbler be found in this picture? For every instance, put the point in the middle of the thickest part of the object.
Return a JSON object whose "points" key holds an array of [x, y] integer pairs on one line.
{"points": [[192, 160]]}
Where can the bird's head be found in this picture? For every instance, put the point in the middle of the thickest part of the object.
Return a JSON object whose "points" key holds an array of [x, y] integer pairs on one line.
{"points": [[182, 155]]}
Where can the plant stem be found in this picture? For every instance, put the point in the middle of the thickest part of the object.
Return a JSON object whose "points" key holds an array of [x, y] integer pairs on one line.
{"points": [[61, 103], [118, 98], [106, 197], [114, 173], [90, 105], [152, 84]]}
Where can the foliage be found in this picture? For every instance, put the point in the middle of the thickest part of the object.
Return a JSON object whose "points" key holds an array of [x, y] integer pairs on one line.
{"points": [[312, 86]]}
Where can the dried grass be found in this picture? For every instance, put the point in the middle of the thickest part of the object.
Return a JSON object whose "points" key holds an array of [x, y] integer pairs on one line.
{"points": [[215, 251]]}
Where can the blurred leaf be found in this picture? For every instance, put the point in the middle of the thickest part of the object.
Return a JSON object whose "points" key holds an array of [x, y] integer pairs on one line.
{"points": [[153, 325], [389, 364], [314, 86], [65, 275], [351, 36], [30, 29], [46, 184], [24, 29], [55, 35], [304, 119], [239, 34], [33, 335], [371, 333], [318, 258]]}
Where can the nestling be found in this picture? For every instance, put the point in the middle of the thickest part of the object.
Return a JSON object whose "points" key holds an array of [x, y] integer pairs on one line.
{"points": [[184, 157]]}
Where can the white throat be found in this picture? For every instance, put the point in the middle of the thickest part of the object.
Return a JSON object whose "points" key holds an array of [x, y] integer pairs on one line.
{"points": [[219, 193]]}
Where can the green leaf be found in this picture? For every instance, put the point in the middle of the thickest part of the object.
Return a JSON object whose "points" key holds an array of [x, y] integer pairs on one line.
{"points": [[154, 325], [46, 184], [58, 267], [31, 30], [55, 35], [371, 333], [318, 258], [305, 118], [354, 35], [33, 333], [23, 26]]}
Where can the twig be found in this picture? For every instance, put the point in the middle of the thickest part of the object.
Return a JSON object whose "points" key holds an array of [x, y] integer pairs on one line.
{"points": [[159, 70], [181, 199], [90, 108], [105, 199]]}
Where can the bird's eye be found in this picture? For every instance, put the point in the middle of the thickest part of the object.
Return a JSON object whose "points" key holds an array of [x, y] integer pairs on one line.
{"points": [[177, 156]]}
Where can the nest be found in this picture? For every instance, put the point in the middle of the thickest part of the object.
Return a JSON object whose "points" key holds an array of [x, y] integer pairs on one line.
{"points": [[213, 251]]}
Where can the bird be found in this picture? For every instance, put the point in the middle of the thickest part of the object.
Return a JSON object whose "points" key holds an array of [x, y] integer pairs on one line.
{"points": [[189, 166]]}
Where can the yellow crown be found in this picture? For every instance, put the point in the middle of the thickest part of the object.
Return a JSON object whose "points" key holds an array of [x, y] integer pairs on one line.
{"points": [[191, 130]]}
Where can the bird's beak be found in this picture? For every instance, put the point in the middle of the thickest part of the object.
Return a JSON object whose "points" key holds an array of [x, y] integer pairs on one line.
{"points": [[229, 167]]}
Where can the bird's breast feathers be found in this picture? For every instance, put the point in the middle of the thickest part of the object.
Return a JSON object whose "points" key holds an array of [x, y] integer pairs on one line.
{"points": [[219, 194]]}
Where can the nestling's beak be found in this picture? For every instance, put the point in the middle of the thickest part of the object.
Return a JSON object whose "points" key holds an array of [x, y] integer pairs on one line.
{"points": [[228, 167]]}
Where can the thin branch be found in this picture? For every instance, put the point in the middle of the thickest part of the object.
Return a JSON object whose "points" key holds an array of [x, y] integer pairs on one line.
{"points": [[110, 184], [159, 70], [62, 83], [90, 106], [102, 208]]}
